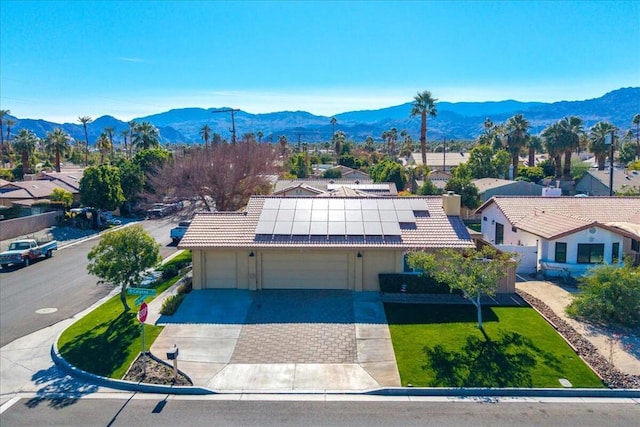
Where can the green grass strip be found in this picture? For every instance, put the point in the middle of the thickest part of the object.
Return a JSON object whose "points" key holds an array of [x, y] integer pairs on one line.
{"points": [[441, 346]]}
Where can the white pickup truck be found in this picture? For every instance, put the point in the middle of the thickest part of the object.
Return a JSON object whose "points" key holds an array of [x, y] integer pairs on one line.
{"points": [[25, 251], [177, 233]]}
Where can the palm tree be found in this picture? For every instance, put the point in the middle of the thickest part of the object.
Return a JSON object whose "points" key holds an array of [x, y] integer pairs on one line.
{"points": [[596, 141], [534, 143], [205, 134], [636, 121], [572, 128], [84, 120], [3, 113], [125, 134], [552, 136], [146, 136], [25, 143], [368, 144], [103, 144], [132, 132], [338, 141], [333, 125], [109, 130], [57, 141], [10, 122], [517, 129], [424, 105], [283, 146], [260, 135]]}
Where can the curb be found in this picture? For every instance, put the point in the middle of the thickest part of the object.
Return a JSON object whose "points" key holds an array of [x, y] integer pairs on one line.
{"points": [[507, 392], [60, 362]]}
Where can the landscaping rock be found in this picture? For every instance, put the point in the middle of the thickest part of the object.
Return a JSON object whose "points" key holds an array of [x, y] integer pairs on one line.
{"points": [[157, 372], [611, 376]]}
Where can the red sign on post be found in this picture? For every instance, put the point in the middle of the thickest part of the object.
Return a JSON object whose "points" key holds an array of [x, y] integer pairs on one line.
{"points": [[142, 312]]}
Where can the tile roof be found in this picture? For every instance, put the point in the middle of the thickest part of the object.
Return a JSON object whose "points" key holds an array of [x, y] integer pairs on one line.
{"points": [[323, 184], [237, 229], [553, 216]]}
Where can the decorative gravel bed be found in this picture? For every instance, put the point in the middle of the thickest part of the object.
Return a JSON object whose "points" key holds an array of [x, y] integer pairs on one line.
{"points": [[611, 376], [157, 372]]}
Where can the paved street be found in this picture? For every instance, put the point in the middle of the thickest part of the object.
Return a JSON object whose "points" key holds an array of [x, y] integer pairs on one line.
{"points": [[55, 289], [281, 411]]}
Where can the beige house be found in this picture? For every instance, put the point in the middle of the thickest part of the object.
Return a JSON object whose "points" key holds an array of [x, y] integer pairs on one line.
{"points": [[320, 242], [316, 187]]}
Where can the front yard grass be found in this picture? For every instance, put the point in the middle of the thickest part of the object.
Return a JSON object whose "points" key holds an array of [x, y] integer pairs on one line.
{"points": [[441, 346], [108, 340]]}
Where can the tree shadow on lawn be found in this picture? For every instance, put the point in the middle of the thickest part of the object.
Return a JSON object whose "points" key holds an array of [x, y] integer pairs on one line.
{"points": [[103, 351], [507, 361]]}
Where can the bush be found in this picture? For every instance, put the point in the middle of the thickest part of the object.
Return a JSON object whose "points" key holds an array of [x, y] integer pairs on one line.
{"points": [[186, 287], [609, 294], [415, 284], [171, 304]]}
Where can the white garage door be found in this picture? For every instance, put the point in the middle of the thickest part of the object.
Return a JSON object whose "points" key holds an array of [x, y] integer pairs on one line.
{"points": [[221, 270], [296, 270]]}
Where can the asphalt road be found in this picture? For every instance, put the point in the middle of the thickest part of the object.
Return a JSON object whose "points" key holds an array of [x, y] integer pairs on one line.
{"points": [[196, 412], [51, 290]]}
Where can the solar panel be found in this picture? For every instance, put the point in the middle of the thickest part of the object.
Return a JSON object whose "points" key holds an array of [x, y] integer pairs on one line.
{"points": [[302, 215], [319, 228], [283, 228], [386, 205], [354, 228], [319, 215], [265, 227], [391, 228], [388, 216], [336, 204], [288, 203], [285, 215], [301, 228], [353, 215], [304, 204], [271, 204], [405, 216], [337, 228], [372, 228]]}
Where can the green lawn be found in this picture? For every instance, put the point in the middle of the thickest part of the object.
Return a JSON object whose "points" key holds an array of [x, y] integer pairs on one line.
{"points": [[107, 340], [441, 346]]}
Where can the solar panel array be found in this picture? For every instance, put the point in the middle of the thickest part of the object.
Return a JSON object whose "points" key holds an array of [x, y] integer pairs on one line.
{"points": [[336, 217]]}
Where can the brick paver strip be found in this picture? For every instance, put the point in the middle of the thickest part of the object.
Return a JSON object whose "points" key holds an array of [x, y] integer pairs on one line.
{"points": [[298, 326]]}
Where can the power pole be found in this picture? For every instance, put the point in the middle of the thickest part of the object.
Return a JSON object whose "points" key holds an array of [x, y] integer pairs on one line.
{"points": [[233, 123]]}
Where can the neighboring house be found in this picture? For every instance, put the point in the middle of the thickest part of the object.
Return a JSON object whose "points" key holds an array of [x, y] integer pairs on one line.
{"points": [[69, 177], [26, 193], [314, 187], [440, 161], [347, 173], [562, 236], [596, 183], [319, 243], [489, 187]]}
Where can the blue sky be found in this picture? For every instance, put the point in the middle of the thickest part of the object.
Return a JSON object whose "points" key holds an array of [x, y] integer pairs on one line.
{"points": [[60, 60]]}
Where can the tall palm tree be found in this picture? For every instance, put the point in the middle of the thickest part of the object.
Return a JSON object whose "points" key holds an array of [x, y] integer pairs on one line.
{"points": [[260, 135], [368, 144], [205, 134], [25, 143], [84, 120], [597, 146], [424, 104], [103, 144], [333, 125], [57, 141], [572, 128], [338, 141], [3, 114], [283, 146], [552, 137], [109, 130], [9, 122], [146, 136], [125, 134], [534, 143], [132, 133], [636, 121], [517, 129]]}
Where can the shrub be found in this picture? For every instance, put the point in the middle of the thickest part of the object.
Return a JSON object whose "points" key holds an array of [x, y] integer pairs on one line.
{"points": [[171, 304], [609, 294], [186, 287], [414, 284]]}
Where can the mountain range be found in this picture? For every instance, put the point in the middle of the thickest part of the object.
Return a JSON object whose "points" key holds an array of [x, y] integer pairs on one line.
{"points": [[459, 120]]}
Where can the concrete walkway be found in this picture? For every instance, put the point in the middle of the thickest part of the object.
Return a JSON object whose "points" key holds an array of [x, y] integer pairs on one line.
{"points": [[623, 350], [280, 341]]}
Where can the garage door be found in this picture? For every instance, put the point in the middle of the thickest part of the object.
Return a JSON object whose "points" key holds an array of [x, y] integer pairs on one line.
{"points": [[297, 270], [221, 270]]}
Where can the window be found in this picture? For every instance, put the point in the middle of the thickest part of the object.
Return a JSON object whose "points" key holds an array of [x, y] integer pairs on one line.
{"points": [[615, 253], [635, 245], [561, 252], [515, 230], [499, 233], [590, 253]]}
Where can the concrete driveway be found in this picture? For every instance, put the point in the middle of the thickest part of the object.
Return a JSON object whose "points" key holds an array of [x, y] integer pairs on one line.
{"points": [[281, 340]]}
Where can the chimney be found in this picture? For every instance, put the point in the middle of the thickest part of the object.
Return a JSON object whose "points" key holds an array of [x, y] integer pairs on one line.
{"points": [[451, 203]]}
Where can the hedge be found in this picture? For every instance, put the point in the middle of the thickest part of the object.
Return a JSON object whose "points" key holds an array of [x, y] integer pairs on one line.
{"points": [[414, 284]]}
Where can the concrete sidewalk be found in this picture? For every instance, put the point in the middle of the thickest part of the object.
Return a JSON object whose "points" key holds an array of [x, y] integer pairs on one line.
{"points": [[280, 341]]}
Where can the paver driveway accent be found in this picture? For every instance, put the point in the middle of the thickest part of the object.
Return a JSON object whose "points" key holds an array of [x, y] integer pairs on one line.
{"points": [[275, 340]]}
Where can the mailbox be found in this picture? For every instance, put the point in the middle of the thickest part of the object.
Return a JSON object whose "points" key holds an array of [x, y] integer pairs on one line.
{"points": [[172, 354]]}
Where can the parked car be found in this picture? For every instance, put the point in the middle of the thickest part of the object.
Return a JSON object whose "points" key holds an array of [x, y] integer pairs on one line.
{"points": [[177, 233], [25, 251]]}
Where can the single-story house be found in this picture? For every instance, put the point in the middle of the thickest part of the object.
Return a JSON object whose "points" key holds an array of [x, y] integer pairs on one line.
{"points": [[561, 236], [489, 187], [439, 161], [346, 172], [596, 183], [319, 243], [315, 187], [26, 193]]}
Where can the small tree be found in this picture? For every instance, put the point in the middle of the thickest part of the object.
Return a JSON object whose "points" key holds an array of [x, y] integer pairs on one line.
{"points": [[100, 187], [474, 272], [121, 257], [60, 195]]}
